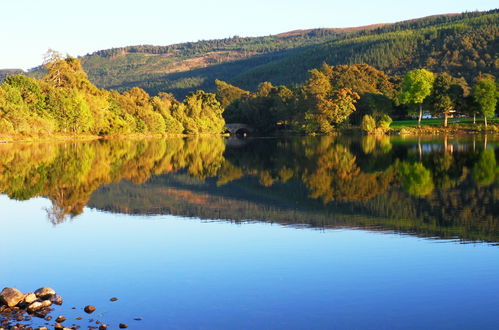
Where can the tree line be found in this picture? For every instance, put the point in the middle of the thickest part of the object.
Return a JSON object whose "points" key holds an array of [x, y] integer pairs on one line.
{"points": [[357, 94], [65, 101]]}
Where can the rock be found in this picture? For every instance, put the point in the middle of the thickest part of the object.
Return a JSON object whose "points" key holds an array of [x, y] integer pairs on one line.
{"points": [[60, 319], [113, 299], [58, 326], [38, 305], [30, 298], [79, 318], [42, 328], [103, 327], [123, 326], [56, 299], [11, 297], [43, 312], [44, 292], [138, 319], [34, 306], [89, 309]]}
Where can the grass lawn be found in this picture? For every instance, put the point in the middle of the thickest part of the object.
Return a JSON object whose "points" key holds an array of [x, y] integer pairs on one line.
{"points": [[440, 122]]}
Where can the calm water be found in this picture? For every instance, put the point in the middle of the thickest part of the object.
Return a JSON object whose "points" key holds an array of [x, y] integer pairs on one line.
{"points": [[293, 233]]}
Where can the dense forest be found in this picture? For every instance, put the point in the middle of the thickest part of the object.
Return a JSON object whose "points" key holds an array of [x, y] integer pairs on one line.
{"points": [[462, 45], [437, 189]]}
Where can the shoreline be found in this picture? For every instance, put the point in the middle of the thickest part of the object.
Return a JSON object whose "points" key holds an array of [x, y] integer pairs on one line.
{"points": [[392, 131], [4, 138]]}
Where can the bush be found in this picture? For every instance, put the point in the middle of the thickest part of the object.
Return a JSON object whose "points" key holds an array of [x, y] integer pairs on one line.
{"points": [[368, 124], [384, 122]]}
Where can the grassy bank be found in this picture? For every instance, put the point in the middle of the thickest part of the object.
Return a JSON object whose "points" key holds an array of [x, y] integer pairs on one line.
{"points": [[436, 126]]}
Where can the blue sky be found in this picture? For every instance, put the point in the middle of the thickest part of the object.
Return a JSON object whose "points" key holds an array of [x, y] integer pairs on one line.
{"points": [[29, 27]]}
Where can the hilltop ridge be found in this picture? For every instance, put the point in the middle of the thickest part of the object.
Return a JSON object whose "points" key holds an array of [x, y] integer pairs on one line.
{"points": [[462, 44]]}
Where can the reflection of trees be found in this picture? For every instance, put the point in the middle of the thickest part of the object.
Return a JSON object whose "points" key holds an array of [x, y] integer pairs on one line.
{"points": [[416, 179], [336, 176], [335, 171], [376, 144], [68, 174], [485, 169]]}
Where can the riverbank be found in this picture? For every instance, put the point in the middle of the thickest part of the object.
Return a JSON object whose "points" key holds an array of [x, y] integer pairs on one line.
{"points": [[60, 137]]}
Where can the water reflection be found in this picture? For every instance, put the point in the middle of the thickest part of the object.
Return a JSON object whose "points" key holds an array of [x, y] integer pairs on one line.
{"points": [[435, 187]]}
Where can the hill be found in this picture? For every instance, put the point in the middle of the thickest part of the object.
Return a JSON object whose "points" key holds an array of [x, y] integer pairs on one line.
{"points": [[4, 73], [461, 44]]}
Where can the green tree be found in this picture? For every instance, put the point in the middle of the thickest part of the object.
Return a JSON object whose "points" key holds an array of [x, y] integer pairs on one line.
{"points": [[416, 87], [485, 95]]}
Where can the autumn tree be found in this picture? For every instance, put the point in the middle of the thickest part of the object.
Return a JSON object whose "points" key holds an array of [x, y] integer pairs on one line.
{"points": [[325, 107]]}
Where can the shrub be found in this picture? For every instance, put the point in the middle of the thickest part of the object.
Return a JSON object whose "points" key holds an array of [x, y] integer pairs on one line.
{"points": [[368, 124], [384, 122]]}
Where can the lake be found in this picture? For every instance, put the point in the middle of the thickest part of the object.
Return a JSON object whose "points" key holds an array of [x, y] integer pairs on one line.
{"points": [[273, 233]]}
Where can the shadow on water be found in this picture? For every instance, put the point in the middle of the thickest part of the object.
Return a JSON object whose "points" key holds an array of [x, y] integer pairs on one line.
{"points": [[431, 187]]}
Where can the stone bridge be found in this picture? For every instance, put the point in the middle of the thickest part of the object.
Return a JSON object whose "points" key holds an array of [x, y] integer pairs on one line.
{"points": [[236, 128]]}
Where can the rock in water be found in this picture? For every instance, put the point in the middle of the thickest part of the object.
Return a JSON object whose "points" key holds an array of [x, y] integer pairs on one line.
{"points": [[30, 298], [39, 305], [44, 292], [11, 296], [35, 306], [60, 319], [56, 299], [89, 309], [123, 326]]}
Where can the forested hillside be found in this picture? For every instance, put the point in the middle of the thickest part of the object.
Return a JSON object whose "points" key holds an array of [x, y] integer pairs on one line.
{"points": [[463, 45]]}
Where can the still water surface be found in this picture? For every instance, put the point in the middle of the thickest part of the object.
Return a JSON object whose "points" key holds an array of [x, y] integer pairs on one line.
{"points": [[294, 233]]}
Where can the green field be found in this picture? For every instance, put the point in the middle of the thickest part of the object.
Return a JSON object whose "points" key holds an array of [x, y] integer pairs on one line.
{"points": [[440, 122]]}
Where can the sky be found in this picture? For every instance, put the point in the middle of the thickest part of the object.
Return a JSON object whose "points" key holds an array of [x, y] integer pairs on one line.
{"points": [[28, 28]]}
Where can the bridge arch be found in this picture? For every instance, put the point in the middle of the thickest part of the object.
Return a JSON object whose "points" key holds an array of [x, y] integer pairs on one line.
{"points": [[239, 129]]}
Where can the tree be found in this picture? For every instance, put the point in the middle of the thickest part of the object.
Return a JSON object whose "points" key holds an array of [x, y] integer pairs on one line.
{"points": [[441, 98], [416, 87], [227, 93], [485, 95], [326, 107]]}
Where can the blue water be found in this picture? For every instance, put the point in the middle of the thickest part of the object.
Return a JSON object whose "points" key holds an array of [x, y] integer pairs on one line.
{"points": [[186, 273]]}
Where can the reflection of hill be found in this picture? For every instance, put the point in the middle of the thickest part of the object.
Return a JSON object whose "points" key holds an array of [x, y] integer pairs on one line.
{"points": [[246, 199], [376, 182]]}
